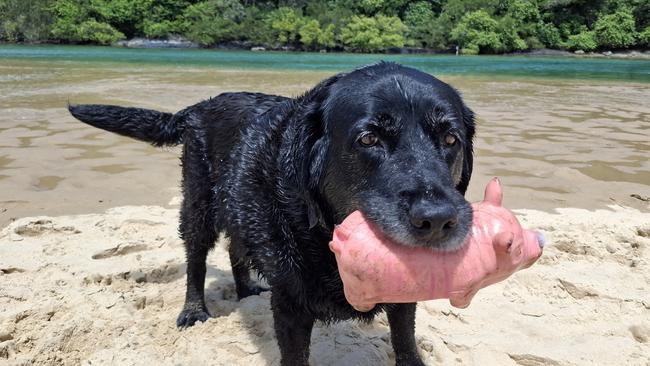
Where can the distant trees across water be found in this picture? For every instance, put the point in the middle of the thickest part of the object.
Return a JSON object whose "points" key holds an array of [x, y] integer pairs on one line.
{"points": [[474, 26]]}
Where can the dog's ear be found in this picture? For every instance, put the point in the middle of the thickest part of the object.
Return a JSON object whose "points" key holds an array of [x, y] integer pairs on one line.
{"points": [[468, 158], [311, 145], [317, 165]]}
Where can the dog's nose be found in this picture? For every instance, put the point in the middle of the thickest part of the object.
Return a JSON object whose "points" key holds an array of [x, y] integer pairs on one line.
{"points": [[432, 218]]}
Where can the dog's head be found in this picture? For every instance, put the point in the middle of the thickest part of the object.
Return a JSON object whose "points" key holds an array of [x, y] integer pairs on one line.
{"points": [[394, 143]]}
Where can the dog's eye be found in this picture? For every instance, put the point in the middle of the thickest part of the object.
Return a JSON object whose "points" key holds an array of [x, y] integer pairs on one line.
{"points": [[368, 139], [450, 140]]}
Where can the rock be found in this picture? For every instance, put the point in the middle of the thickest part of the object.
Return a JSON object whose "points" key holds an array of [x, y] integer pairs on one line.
{"points": [[177, 200], [255, 49], [607, 53], [579, 52], [5, 335], [140, 302], [533, 360], [577, 292], [175, 42], [641, 333], [138, 276]]}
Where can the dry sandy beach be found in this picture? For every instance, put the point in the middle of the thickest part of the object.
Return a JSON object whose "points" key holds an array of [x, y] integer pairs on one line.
{"points": [[104, 289], [92, 269]]}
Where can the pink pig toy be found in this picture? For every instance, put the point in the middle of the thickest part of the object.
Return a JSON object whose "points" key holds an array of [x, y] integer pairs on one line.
{"points": [[375, 269]]}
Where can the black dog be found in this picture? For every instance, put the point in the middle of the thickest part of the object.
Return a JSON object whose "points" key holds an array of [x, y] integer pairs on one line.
{"points": [[276, 174]]}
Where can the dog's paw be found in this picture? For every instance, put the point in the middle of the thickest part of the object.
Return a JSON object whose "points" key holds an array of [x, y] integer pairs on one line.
{"points": [[188, 317], [410, 360], [250, 289]]}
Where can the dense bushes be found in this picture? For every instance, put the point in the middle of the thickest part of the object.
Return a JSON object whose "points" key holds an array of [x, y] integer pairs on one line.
{"points": [[477, 31], [373, 33], [475, 26], [616, 30], [585, 41]]}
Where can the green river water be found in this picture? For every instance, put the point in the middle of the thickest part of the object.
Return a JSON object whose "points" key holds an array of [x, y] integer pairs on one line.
{"points": [[554, 67], [560, 132]]}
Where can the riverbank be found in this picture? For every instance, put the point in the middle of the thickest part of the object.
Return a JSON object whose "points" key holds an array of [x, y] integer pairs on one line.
{"points": [[181, 43]]}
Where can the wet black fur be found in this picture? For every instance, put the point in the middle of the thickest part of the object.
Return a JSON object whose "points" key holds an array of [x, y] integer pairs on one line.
{"points": [[275, 174]]}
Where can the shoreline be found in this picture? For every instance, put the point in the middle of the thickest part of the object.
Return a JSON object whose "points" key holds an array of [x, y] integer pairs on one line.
{"points": [[179, 43]]}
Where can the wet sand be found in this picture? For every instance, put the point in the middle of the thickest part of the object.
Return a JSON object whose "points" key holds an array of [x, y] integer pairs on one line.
{"points": [[553, 143], [103, 284]]}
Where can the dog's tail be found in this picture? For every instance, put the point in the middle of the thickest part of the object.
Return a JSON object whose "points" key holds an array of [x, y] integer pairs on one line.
{"points": [[157, 128]]}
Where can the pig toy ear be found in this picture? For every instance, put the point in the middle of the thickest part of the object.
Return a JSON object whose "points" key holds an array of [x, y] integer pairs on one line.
{"points": [[493, 193]]}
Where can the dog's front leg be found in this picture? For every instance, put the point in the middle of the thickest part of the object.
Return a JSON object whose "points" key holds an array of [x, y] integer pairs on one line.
{"points": [[401, 319], [292, 329]]}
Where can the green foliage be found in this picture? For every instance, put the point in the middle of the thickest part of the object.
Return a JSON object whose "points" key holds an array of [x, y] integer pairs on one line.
{"points": [[285, 23], [212, 21], [520, 26], [96, 32], [420, 18], [585, 41], [616, 30], [389, 7], [24, 20], [373, 34], [68, 15], [478, 26], [523, 12], [477, 32], [125, 15], [164, 18], [162, 29], [644, 37], [254, 27], [312, 36], [548, 35]]}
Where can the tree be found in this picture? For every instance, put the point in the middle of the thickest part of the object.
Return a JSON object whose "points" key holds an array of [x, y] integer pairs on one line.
{"points": [[548, 35], [313, 36], [164, 18], [457, 9], [616, 30], [644, 37], [479, 26], [98, 32], [68, 15], [285, 24], [125, 16], [419, 18], [477, 33], [373, 34], [25, 20], [74, 22], [389, 7], [391, 30], [585, 41], [520, 25], [212, 21], [254, 27]]}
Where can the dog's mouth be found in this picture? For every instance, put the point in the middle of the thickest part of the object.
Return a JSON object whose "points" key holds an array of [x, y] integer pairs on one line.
{"points": [[397, 228]]}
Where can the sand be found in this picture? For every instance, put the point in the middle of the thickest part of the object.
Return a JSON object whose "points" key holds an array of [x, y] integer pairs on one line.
{"points": [[106, 289]]}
